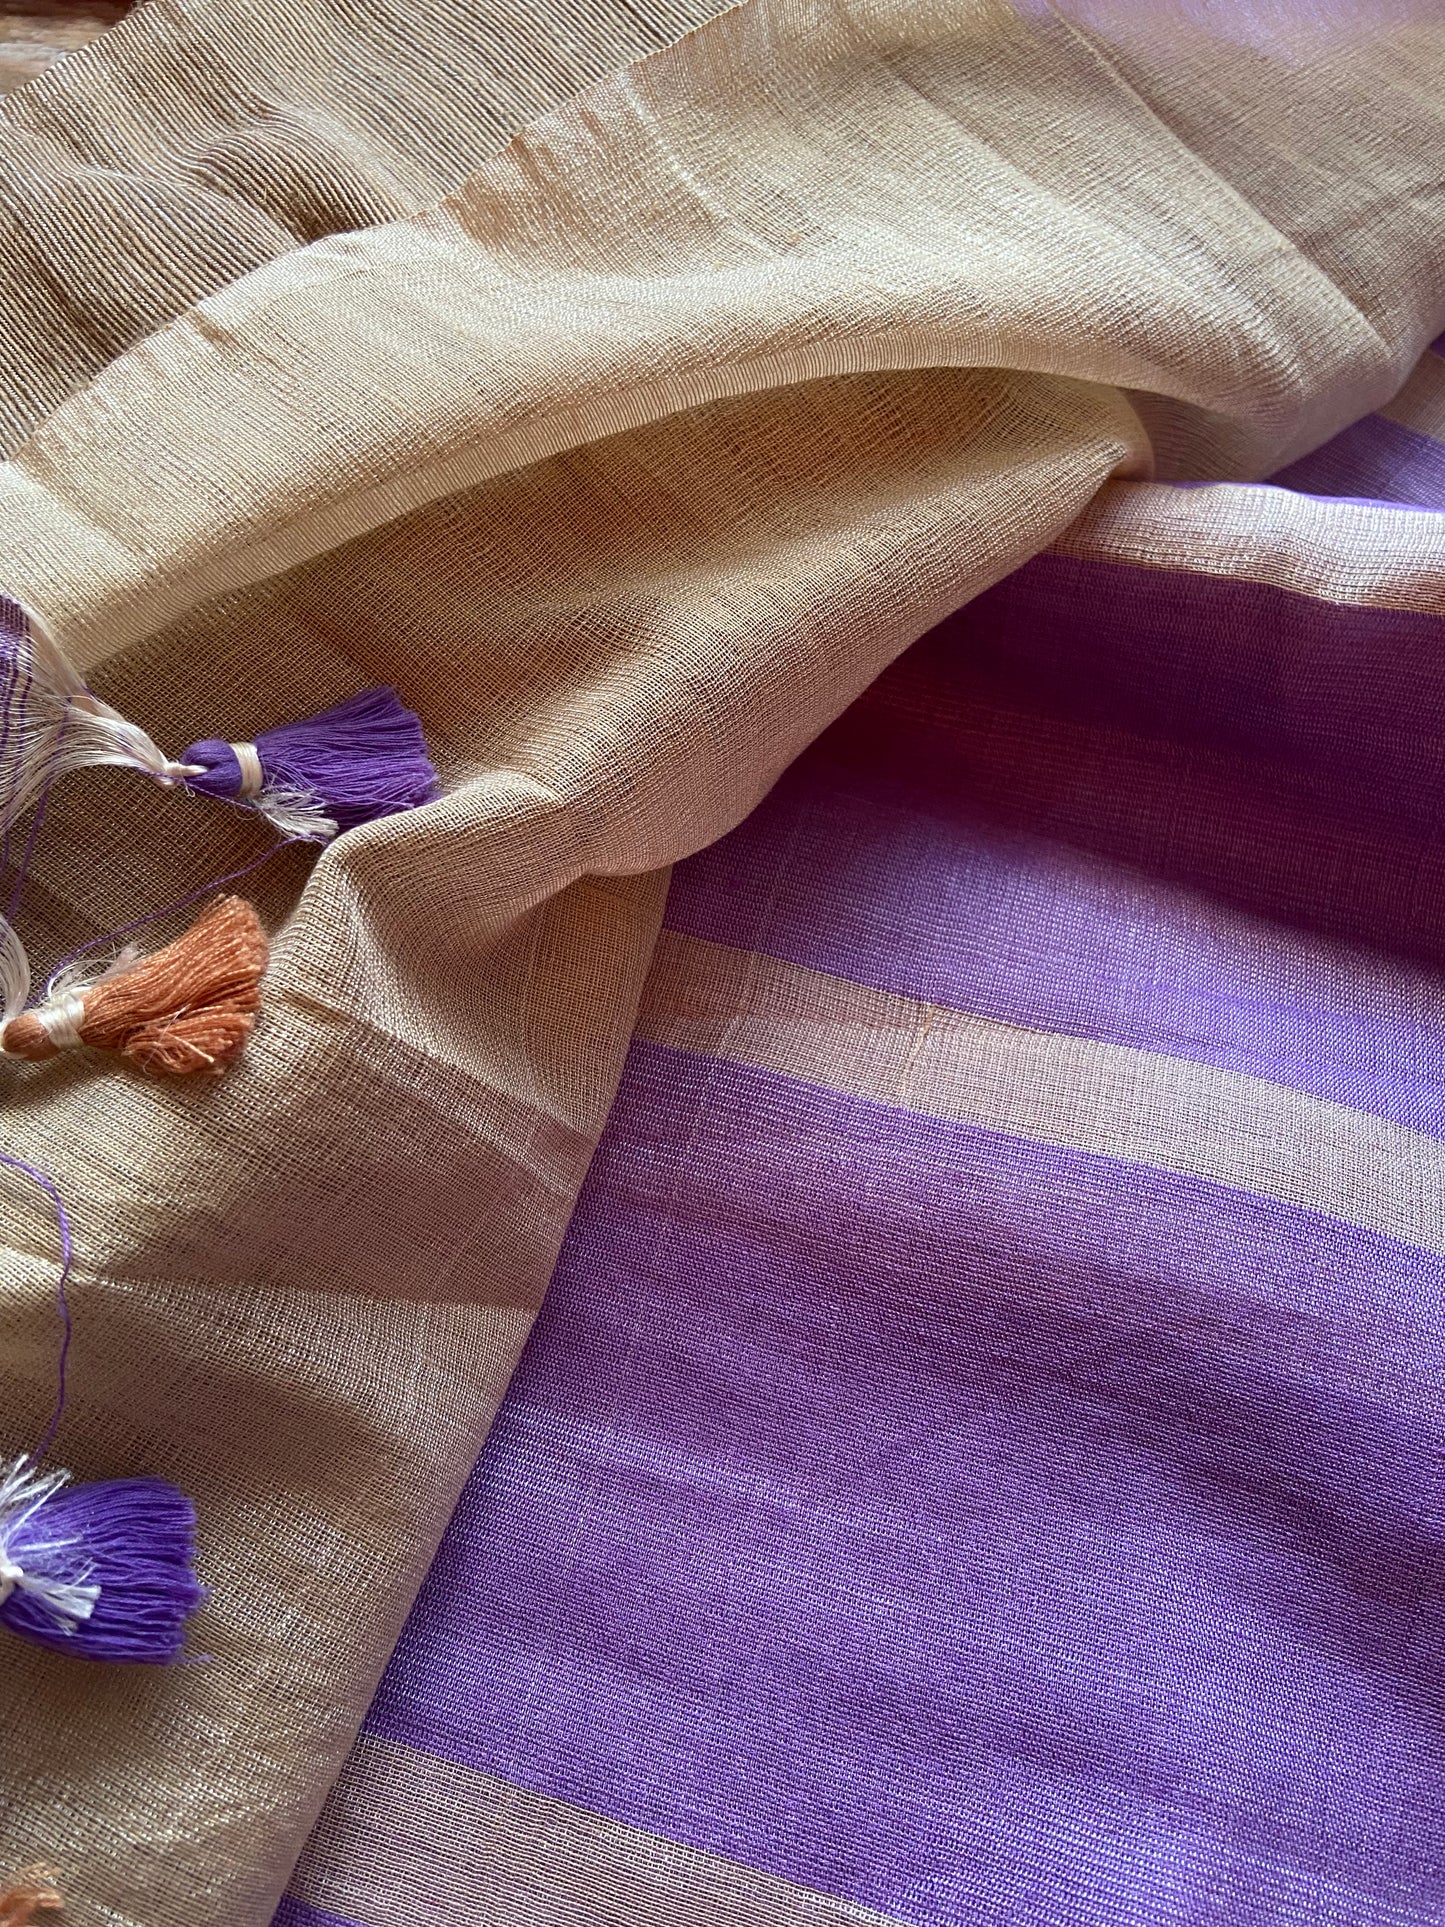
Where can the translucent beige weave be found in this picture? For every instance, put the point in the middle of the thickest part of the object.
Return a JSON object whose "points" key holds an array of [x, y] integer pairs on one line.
{"points": [[630, 461]]}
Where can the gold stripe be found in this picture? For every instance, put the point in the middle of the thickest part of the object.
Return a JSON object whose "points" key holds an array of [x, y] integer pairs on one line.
{"points": [[1345, 552], [408, 1840], [1069, 1091]]}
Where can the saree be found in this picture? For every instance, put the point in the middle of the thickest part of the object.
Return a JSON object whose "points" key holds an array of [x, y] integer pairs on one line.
{"points": [[978, 1458]]}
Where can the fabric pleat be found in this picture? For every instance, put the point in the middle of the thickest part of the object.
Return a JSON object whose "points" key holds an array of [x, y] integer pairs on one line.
{"points": [[630, 419]]}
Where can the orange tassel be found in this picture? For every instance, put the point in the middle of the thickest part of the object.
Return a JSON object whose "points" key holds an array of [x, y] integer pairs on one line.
{"points": [[31, 1892], [189, 1008]]}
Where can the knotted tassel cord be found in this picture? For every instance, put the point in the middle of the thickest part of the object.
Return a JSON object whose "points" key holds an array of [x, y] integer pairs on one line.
{"points": [[14, 964], [62, 1009], [312, 778], [53, 723]]}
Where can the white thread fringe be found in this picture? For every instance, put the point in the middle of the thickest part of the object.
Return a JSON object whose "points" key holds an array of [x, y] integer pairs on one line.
{"points": [[23, 1491], [296, 813], [14, 975], [61, 726], [54, 724], [62, 1019]]}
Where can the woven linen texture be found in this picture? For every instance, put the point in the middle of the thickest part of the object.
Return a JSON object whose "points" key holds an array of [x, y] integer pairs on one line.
{"points": [[979, 1455], [632, 454]]}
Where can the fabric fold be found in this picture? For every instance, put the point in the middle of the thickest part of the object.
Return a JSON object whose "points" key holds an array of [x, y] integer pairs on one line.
{"points": [[631, 463], [980, 1452], [706, 227]]}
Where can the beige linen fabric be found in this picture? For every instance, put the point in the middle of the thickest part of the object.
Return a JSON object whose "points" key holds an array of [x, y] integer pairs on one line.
{"points": [[630, 463], [1378, 557], [203, 137], [461, 1847], [1420, 404], [684, 238]]}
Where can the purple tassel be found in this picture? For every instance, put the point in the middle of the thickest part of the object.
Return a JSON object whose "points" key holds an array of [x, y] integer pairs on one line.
{"points": [[363, 759], [102, 1571]]}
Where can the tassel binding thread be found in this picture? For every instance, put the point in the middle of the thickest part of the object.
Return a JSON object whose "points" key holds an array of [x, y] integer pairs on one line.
{"points": [[188, 1009]]}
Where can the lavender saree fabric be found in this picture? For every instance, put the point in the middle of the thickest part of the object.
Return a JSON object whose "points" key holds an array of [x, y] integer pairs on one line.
{"points": [[1395, 456], [981, 1456]]}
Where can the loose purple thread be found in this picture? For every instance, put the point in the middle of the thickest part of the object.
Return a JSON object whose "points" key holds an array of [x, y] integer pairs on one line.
{"points": [[169, 909], [36, 1176], [47, 1185], [39, 1178]]}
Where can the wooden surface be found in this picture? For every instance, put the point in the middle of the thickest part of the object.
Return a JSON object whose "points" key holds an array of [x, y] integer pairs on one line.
{"points": [[35, 35]]}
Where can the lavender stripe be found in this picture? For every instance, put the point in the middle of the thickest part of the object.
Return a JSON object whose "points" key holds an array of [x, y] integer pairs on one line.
{"points": [[1374, 457], [1339, 705], [292, 1913], [1316, 849], [874, 884], [969, 1528], [1073, 868]]}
